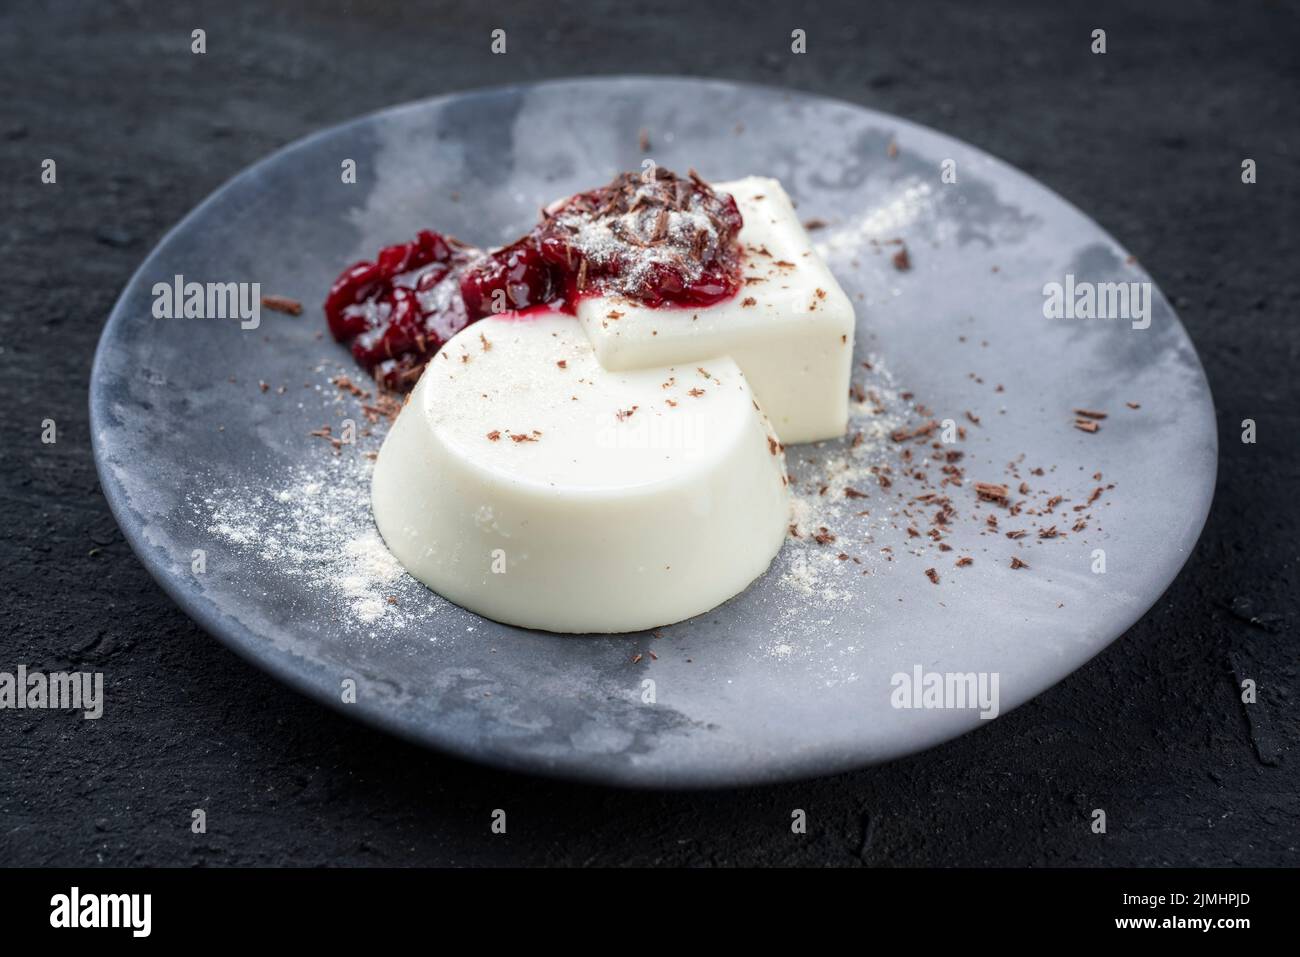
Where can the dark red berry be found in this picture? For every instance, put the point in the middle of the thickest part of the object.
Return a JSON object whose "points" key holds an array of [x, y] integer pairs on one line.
{"points": [[509, 279]]}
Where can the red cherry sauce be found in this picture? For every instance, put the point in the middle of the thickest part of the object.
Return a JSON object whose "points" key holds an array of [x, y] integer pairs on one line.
{"points": [[653, 237]]}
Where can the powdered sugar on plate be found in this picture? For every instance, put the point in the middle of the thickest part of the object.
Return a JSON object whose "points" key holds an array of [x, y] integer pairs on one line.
{"points": [[315, 526], [835, 490], [837, 505]]}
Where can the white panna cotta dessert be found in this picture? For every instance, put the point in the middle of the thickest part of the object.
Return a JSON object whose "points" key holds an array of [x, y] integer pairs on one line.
{"points": [[609, 458], [527, 483]]}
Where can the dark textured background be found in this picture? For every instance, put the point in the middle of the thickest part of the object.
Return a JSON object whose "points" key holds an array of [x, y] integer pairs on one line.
{"points": [[1148, 139]]}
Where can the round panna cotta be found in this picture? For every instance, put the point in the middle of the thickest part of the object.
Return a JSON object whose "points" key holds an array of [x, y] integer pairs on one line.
{"points": [[527, 483]]}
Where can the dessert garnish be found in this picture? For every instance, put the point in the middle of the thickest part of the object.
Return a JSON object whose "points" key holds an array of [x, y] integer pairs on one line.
{"points": [[653, 237], [399, 310]]}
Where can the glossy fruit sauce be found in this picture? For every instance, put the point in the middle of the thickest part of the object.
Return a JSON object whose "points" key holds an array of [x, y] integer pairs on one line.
{"points": [[653, 237]]}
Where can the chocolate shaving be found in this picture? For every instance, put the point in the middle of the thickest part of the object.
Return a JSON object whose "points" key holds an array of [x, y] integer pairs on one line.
{"points": [[283, 304], [661, 227], [992, 492]]}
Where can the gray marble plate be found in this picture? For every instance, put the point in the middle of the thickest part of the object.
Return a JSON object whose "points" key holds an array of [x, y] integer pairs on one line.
{"points": [[262, 534]]}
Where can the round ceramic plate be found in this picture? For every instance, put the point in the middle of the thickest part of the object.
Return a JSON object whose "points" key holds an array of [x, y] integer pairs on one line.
{"points": [[845, 652]]}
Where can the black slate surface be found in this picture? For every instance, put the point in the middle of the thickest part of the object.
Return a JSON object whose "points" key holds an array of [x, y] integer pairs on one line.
{"points": [[1148, 139]]}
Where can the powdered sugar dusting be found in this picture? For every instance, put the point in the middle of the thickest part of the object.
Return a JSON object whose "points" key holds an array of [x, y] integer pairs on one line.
{"points": [[604, 242], [886, 218], [837, 505], [315, 526]]}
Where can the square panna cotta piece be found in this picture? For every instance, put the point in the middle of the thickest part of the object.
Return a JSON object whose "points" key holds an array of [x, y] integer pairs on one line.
{"points": [[789, 328]]}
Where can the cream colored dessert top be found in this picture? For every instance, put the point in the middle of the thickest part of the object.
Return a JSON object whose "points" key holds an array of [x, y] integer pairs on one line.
{"points": [[526, 399]]}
